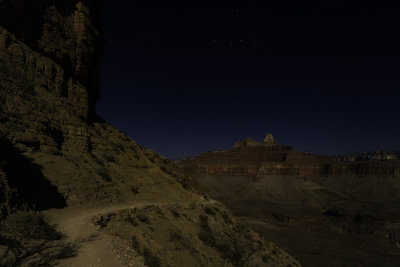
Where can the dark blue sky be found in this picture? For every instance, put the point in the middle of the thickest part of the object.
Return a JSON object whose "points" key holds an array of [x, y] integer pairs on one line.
{"points": [[321, 76]]}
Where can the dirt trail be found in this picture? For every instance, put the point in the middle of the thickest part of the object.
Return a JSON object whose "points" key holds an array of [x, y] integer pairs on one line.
{"points": [[96, 248]]}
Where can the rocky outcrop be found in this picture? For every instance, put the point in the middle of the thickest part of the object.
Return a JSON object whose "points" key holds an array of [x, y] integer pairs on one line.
{"points": [[49, 71], [250, 142], [61, 163], [269, 139], [54, 45]]}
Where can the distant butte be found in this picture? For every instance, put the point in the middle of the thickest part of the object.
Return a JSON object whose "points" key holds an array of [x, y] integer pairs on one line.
{"points": [[250, 142], [310, 204]]}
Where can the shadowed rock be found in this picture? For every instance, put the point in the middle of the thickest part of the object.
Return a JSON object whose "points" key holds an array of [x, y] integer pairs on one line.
{"points": [[26, 182]]}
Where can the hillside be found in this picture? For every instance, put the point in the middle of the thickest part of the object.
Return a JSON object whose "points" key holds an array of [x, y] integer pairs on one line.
{"points": [[324, 210], [75, 191]]}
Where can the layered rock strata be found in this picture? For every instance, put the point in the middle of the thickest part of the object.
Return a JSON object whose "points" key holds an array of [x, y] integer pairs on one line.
{"points": [[61, 165], [293, 197]]}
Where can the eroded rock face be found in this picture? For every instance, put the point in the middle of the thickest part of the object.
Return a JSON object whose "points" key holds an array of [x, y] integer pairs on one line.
{"points": [[55, 153], [300, 199], [251, 161], [56, 45], [269, 139], [49, 67], [369, 156], [49, 71]]}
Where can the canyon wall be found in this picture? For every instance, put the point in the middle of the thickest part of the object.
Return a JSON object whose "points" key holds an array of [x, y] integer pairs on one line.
{"points": [[63, 167], [321, 208]]}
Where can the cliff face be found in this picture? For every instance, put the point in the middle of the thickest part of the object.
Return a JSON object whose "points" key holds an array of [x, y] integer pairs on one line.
{"points": [[68, 35], [49, 70], [300, 199], [369, 156], [60, 164], [250, 162]]}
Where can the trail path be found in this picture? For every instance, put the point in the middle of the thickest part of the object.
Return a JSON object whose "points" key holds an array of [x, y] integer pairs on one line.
{"points": [[95, 247]]}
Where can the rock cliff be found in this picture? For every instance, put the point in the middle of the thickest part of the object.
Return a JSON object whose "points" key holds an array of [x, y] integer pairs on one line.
{"points": [[297, 196], [75, 191], [369, 156]]}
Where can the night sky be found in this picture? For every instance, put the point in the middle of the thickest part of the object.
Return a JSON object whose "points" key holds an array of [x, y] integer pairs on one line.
{"points": [[323, 76]]}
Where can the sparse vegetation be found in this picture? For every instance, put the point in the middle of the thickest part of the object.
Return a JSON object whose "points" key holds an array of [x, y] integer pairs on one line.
{"points": [[135, 153], [135, 190], [29, 225], [150, 259], [226, 217], [265, 258], [103, 173], [175, 212], [143, 218], [132, 220], [109, 157], [239, 246], [118, 147], [206, 234], [135, 244], [180, 241], [209, 211]]}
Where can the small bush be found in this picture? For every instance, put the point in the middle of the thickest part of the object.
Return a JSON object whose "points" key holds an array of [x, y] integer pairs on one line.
{"points": [[265, 258], [204, 223], [109, 158], [135, 190], [118, 147], [206, 234], [103, 173], [226, 217], [133, 220], [136, 155], [29, 225], [143, 218], [135, 244], [208, 238], [150, 259], [209, 211], [175, 213], [177, 237]]}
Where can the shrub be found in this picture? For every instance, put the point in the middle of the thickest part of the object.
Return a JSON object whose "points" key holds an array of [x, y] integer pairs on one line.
{"points": [[206, 234], [109, 157], [135, 244], [135, 190], [133, 220], [118, 147], [204, 222], [175, 213], [181, 242], [29, 225], [226, 217], [265, 258], [103, 173], [143, 218], [150, 259], [209, 211], [208, 238]]}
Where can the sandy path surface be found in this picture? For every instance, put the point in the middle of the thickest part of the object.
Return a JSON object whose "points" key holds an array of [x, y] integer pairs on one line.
{"points": [[96, 248]]}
